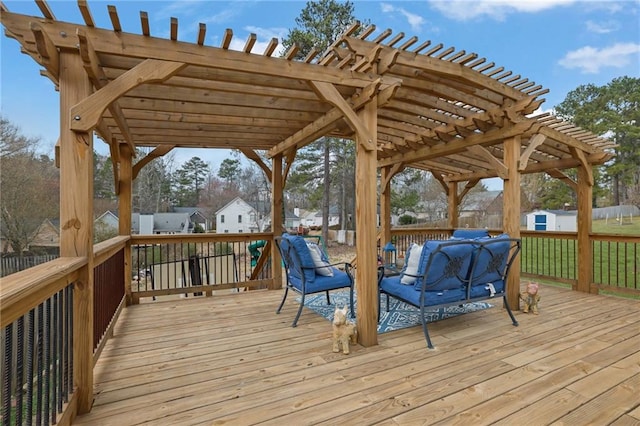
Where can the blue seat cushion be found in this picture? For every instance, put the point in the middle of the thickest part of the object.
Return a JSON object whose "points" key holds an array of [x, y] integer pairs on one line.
{"points": [[483, 290], [470, 234], [392, 286], [448, 268], [340, 279], [491, 260]]}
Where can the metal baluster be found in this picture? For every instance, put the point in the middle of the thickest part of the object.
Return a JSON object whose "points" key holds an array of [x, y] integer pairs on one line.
{"points": [[70, 339], [19, 370], [39, 362], [6, 386], [55, 358], [47, 360], [60, 389], [30, 343]]}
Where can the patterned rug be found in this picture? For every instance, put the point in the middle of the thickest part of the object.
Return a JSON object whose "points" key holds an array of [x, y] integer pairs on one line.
{"points": [[400, 315]]}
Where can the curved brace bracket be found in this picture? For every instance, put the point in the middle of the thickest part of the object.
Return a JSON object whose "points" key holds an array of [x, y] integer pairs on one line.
{"points": [[330, 94], [393, 170], [252, 155], [86, 114], [158, 152], [579, 155], [534, 143]]}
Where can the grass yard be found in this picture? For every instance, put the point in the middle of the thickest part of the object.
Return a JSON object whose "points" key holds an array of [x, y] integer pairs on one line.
{"points": [[611, 226]]}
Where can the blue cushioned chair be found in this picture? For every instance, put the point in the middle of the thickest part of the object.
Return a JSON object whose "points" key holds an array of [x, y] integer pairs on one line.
{"points": [[303, 276], [455, 272]]}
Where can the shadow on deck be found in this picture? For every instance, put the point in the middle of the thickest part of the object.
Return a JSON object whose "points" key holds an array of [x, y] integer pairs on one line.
{"points": [[230, 359]]}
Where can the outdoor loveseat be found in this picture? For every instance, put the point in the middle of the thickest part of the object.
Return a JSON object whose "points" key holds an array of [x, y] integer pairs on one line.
{"points": [[467, 268], [308, 271]]}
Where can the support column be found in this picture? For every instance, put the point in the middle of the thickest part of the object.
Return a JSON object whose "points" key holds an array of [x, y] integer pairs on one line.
{"points": [[125, 185], [276, 219], [452, 205], [76, 219], [385, 206], [511, 213], [366, 272], [585, 213]]}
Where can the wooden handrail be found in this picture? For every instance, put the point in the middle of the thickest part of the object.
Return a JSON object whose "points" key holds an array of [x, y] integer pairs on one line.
{"points": [[23, 291], [104, 250]]}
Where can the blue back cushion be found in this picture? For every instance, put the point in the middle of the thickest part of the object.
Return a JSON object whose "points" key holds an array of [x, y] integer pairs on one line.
{"points": [[449, 267], [306, 261], [470, 234], [491, 260]]}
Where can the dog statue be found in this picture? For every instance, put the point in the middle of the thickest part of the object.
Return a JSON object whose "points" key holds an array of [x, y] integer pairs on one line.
{"points": [[530, 298], [344, 332]]}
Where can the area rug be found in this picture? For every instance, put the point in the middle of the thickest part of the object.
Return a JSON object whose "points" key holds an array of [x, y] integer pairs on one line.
{"points": [[400, 315]]}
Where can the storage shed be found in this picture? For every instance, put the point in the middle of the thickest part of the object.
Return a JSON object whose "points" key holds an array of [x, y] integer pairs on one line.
{"points": [[552, 220]]}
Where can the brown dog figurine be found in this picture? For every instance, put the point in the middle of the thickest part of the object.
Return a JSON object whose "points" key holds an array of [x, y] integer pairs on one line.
{"points": [[344, 332], [530, 298]]}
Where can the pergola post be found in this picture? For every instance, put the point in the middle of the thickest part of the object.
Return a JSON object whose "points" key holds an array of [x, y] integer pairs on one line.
{"points": [[125, 185], [511, 213], [385, 205], [452, 205], [276, 219], [366, 272], [76, 219], [585, 213]]}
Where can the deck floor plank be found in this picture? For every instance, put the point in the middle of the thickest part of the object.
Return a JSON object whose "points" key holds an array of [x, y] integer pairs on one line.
{"points": [[229, 359]]}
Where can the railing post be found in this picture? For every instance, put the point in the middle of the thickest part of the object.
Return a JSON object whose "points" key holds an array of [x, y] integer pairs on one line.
{"points": [[585, 212], [124, 218], [76, 218], [276, 220]]}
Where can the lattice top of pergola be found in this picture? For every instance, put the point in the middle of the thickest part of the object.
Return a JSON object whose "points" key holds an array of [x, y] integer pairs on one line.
{"points": [[439, 109]]}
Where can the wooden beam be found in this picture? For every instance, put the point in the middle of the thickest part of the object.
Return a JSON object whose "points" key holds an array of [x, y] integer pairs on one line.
{"points": [[366, 201], [330, 94], [85, 115], [438, 176], [468, 187], [555, 173], [585, 214], [390, 173], [511, 213], [44, 8], [86, 13], [498, 165], [460, 145]]}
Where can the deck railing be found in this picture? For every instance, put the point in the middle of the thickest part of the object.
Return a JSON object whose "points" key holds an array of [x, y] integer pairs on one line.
{"points": [[553, 256], [40, 334], [199, 264]]}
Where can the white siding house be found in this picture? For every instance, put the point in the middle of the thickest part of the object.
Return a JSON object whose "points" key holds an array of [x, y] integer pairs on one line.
{"points": [[238, 216], [552, 220]]}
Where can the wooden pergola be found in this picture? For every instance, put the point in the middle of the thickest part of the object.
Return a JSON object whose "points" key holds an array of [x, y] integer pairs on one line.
{"points": [[405, 103]]}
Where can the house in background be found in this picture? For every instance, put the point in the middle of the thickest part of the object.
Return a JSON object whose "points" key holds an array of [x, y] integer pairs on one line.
{"points": [[46, 239], [552, 220], [161, 223], [107, 220], [196, 216], [238, 216]]}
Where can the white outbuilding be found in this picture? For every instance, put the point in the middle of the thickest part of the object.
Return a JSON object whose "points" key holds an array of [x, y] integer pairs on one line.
{"points": [[552, 220]]}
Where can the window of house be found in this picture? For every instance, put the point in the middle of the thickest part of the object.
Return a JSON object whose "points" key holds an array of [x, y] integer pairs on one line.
{"points": [[239, 218], [221, 218]]}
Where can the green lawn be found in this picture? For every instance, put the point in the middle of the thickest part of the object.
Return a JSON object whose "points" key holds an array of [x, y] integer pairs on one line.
{"points": [[611, 226]]}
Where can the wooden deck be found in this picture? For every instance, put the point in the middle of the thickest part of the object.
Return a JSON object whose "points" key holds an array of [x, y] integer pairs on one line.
{"points": [[231, 360]]}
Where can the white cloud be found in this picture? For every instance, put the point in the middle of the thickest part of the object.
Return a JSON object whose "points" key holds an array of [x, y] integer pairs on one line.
{"points": [[495, 9], [415, 21], [590, 59], [602, 27]]}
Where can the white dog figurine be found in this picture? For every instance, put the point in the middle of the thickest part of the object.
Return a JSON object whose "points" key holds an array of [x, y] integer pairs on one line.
{"points": [[344, 332]]}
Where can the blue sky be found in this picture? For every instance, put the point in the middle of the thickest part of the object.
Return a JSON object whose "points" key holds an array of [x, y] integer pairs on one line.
{"points": [[560, 44]]}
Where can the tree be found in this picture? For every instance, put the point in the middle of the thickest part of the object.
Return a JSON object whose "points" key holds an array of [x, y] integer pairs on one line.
{"points": [[319, 24], [30, 187], [612, 111], [229, 171], [189, 181], [152, 186]]}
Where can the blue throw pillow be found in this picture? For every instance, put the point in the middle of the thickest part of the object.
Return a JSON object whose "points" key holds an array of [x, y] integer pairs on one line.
{"points": [[470, 234]]}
